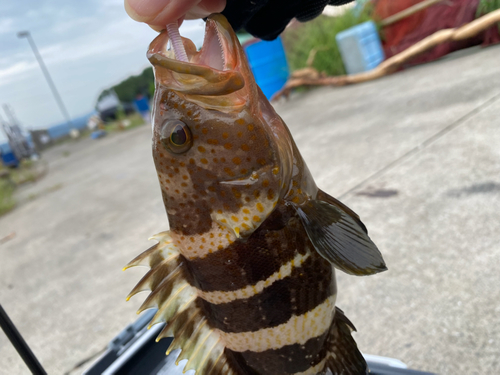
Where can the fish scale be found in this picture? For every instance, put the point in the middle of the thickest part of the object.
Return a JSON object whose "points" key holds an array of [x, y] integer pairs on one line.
{"points": [[245, 277]]}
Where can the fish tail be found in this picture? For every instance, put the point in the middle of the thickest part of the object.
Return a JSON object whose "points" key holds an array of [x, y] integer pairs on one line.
{"points": [[343, 356]]}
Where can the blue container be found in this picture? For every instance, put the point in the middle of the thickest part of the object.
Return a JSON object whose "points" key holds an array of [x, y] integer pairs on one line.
{"points": [[360, 48], [8, 157], [269, 66]]}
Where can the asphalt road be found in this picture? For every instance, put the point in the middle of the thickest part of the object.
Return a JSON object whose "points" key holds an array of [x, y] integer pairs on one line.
{"points": [[415, 154]]}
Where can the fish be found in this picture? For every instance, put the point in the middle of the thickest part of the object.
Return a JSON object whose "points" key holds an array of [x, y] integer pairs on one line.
{"points": [[244, 279]]}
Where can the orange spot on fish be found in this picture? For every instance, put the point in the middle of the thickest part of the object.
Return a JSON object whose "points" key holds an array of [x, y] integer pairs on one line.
{"points": [[222, 160], [239, 134], [229, 171], [204, 161], [184, 184], [234, 218], [245, 147], [246, 211], [236, 193], [212, 141], [203, 239], [201, 149], [237, 160], [191, 161], [244, 171], [250, 127], [191, 239], [228, 146], [296, 199], [265, 183], [276, 170], [256, 193], [185, 177], [261, 161], [270, 194], [225, 135], [220, 247], [260, 207], [240, 121], [204, 130]]}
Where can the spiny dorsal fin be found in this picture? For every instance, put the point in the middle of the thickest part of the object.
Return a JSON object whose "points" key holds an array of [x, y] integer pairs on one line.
{"points": [[156, 253], [175, 299]]}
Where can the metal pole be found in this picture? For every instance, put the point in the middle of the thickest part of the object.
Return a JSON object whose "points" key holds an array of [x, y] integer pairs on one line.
{"points": [[20, 345], [45, 71]]}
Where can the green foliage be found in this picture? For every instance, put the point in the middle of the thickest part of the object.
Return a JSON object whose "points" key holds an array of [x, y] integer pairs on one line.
{"points": [[7, 201], [319, 35], [128, 89], [487, 6]]}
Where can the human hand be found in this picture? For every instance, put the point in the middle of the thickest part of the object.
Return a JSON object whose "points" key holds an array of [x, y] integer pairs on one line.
{"points": [[159, 13]]}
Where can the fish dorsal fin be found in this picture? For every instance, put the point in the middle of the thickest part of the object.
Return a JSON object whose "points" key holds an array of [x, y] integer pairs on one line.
{"points": [[175, 300], [339, 236]]}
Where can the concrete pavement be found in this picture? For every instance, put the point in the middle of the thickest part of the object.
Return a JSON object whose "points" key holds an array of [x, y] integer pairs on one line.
{"points": [[415, 154]]}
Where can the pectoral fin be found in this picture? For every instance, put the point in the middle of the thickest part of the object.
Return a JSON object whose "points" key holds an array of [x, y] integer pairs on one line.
{"points": [[340, 237]]}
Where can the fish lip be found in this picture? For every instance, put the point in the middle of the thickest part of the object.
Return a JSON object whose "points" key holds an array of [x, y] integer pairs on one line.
{"points": [[218, 28], [216, 69]]}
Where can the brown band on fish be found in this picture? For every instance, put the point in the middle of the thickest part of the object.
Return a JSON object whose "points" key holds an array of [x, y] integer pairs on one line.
{"points": [[288, 359], [246, 262], [307, 287]]}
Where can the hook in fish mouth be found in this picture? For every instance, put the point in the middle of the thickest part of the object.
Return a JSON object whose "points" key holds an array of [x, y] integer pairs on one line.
{"points": [[213, 70]]}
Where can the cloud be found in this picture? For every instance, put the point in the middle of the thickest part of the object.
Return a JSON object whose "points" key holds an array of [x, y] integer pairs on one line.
{"points": [[6, 25], [15, 71]]}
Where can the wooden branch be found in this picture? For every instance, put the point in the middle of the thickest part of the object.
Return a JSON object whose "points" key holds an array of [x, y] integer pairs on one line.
{"points": [[408, 12], [395, 62]]}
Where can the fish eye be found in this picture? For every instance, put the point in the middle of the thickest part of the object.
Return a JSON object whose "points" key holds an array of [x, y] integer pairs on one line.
{"points": [[176, 136]]}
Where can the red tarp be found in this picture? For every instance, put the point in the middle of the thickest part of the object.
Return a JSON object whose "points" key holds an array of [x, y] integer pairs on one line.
{"points": [[447, 14]]}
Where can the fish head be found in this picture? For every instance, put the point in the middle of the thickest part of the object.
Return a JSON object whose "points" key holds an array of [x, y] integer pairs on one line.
{"points": [[222, 155]]}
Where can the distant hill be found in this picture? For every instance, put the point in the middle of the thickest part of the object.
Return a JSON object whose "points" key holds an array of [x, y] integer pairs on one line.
{"points": [[127, 90]]}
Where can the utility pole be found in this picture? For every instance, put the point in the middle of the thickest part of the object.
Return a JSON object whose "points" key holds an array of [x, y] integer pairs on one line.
{"points": [[27, 35]]}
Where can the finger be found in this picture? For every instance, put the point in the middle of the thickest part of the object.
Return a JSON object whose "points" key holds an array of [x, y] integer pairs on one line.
{"points": [[158, 12], [205, 8]]}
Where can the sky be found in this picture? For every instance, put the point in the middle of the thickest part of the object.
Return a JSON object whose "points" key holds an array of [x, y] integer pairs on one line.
{"points": [[87, 46]]}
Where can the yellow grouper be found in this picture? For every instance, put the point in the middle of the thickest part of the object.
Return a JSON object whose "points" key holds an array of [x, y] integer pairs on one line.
{"points": [[245, 276]]}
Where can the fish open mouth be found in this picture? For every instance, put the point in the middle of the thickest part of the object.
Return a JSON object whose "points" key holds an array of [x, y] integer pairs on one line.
{"points": [[213, 70], [212, 53]]}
